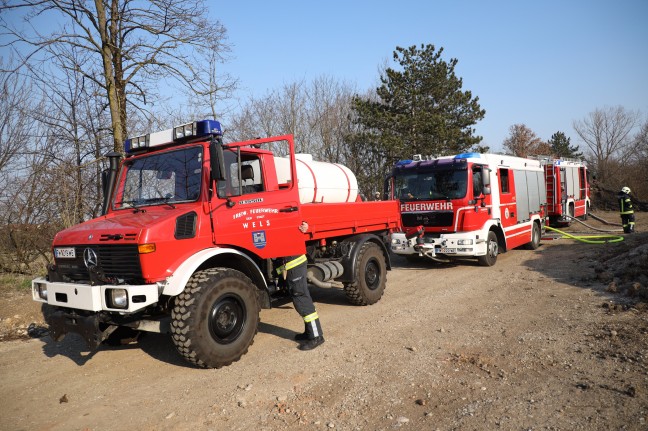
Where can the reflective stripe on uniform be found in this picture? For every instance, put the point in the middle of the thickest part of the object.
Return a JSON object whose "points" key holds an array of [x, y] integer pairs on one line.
{"points": [[293, 263], [626, 206], [311, 317]]}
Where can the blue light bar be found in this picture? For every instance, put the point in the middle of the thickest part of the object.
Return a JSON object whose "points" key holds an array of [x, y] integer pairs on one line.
{"points": [[403, 162], [467, 156], [176, 135]]}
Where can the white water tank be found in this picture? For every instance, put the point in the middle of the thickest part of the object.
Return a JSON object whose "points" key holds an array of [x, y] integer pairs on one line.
{"points": [[319, 181]]}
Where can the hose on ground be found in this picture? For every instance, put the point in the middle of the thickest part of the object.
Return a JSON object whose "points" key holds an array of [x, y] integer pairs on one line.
{"points": [[594, 228], [589, 239]]}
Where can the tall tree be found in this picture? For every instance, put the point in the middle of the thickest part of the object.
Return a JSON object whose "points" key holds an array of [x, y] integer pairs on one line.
{"points": [[421, 107], [134, 45], [607, 134], [523, 142], [561, 146]]}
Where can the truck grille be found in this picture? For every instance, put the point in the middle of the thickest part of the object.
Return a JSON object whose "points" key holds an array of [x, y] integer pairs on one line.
{"points": [[114, 261], [428, 219]]}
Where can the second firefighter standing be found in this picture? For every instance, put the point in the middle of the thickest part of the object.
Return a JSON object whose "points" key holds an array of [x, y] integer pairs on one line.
{"points": [[626, 210], [292, 270]]}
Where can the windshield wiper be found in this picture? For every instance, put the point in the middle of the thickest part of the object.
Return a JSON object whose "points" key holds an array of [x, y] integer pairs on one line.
{"points": [[163, 200]]}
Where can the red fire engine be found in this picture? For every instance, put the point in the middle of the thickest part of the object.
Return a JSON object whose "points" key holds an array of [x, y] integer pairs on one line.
{"points": [[568, 190], [189, 234], [468, 205]]}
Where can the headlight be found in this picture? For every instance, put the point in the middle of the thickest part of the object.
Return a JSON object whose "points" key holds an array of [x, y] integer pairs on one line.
{"points": [[396, 241], [464, 242], [117, 298], [41, 289]]}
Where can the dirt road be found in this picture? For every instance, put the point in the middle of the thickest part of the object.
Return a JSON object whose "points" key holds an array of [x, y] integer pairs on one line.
{"points": [[545, 339]]}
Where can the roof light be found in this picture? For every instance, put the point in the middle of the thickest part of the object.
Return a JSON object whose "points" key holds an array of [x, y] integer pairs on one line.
{"points": [[403, 162], [467, 156], [137, 143], [176, 135]]}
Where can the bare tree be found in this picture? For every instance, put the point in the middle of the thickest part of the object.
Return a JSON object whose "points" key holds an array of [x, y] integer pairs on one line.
{"points": [[76, 136], [607, 134], [133, 45], [523, 142], [319, 114], [329, 118]]}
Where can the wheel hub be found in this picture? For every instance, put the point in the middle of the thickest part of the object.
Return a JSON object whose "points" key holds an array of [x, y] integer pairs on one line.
{"points": [[492, 248], [226, 319], [372, 275]]}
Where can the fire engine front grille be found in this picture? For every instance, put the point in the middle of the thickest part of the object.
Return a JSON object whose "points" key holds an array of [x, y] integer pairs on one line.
{"points": [[428, 219], [113, 261]]}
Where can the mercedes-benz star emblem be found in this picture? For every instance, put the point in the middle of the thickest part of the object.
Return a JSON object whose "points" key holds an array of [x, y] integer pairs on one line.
{"points": [[90, 257]]}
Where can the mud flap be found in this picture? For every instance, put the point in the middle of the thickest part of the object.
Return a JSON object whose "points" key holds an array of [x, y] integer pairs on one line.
{"points": [[88, 327]]}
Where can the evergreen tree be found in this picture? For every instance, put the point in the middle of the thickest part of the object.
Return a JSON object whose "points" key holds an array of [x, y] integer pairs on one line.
{"points": [[419, 109], [560, 146]]}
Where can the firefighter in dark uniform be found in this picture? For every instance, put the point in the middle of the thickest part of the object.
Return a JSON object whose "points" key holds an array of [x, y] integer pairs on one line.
{"points": [[626, 210], [293, 270]]}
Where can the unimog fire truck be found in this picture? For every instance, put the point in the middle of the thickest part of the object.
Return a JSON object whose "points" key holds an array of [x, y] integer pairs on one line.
{"points": [[467, 205], [189, 234]]}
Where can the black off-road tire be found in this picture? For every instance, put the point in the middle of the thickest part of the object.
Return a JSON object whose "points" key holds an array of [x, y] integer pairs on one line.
{"points": [[370, 276], [535, 238], [490, 257], [215, 318]]}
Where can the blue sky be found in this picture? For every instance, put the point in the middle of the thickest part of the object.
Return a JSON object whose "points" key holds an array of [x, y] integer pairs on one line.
{"points": [[540, 63]]}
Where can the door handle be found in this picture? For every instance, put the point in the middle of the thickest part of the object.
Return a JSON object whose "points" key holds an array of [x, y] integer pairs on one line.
{"points": [[288, 210]]}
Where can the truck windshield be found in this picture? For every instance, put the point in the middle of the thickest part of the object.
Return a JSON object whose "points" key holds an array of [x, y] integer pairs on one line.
{"points": [[434, 185], [162, 178]]}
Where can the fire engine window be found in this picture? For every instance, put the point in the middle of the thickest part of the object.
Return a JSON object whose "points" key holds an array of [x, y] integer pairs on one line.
{"points": [[504, 180], [250, 181], [171, 176], [436, 184], [478, 183]]}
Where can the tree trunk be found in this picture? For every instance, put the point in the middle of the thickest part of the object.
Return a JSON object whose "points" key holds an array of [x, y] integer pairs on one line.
{"points": [[109, 77]]}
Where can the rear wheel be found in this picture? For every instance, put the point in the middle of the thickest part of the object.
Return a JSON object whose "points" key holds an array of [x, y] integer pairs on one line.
{"points": [[535, 237], [370, 276], [215, 318], [492, 251]]}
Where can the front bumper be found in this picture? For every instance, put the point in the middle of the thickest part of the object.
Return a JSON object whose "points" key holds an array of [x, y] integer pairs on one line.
{"points": [[445, 245], [94, 298]]}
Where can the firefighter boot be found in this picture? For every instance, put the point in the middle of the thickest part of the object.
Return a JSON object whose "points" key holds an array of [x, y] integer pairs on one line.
{"points": [[313, 333]]}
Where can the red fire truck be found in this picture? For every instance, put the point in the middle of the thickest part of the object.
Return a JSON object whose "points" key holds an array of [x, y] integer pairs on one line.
{"points": [[188, 238], [468, 205], [568, 190]]}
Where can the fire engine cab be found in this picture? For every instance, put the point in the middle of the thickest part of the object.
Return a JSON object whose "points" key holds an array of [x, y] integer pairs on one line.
{"points": [[188, 236], [468, 205]]}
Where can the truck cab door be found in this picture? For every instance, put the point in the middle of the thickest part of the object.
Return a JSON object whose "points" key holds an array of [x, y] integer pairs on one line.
{"points": [[480, 196], [507, 204], [254, 213]]}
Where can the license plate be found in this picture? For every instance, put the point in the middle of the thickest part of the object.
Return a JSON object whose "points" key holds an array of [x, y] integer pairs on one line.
{"points": [[65, 253], [447, 250]]}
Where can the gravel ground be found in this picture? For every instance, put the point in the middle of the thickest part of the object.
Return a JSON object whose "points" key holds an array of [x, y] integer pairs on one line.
{"points": [[553, 339]]}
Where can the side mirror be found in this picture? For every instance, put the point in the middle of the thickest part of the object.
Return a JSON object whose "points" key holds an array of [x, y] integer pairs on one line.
{"points": [[485, 173]]}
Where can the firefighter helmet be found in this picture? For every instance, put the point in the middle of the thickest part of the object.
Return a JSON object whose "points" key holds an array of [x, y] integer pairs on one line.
{"points": [[626, 190]]}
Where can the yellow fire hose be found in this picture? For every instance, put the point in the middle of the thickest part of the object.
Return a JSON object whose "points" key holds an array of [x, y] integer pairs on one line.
{"points": [[589, 239]]}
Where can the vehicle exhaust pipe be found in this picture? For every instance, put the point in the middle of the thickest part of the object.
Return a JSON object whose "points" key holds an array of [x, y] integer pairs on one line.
{"points": [[108, 178]]}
